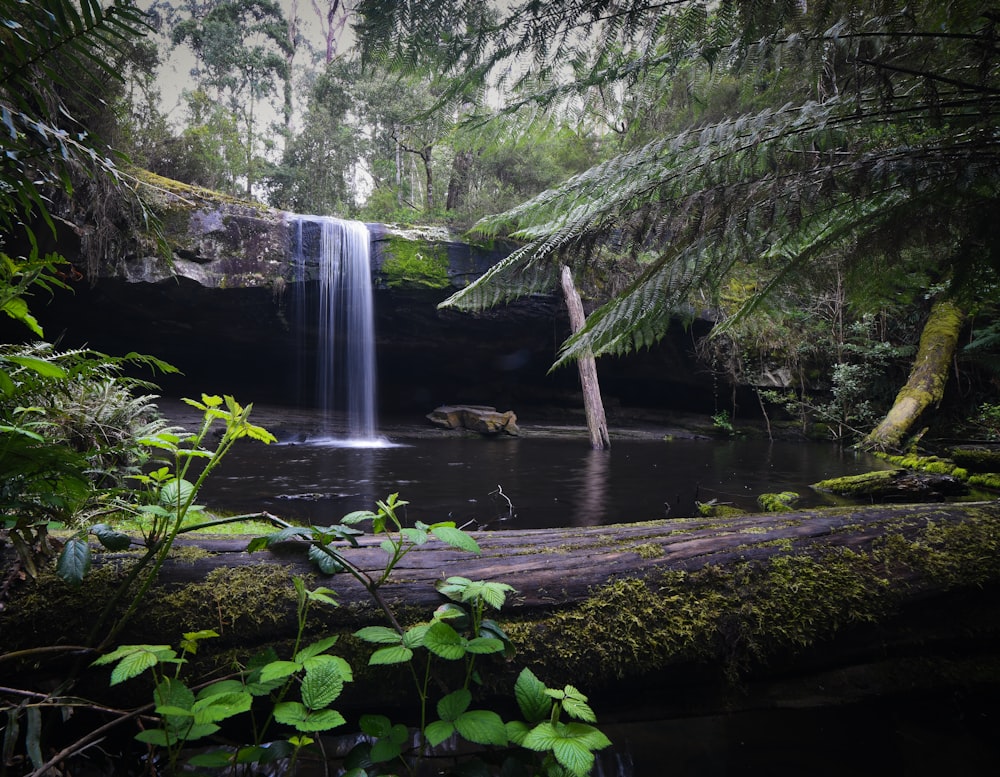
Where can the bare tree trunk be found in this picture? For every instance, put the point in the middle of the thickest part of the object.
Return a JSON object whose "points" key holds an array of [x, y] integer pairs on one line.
{"points": [[928, 377], [592, 404]]}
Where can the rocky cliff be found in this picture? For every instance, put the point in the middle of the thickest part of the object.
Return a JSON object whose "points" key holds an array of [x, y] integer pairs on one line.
{"points": [[214, 295]]}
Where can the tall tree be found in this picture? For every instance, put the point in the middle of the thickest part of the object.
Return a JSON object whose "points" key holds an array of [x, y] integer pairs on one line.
{"points": [[244, 50], [868, 130]]}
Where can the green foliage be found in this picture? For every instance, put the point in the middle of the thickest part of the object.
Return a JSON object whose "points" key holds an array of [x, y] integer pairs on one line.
{"points": [[770, 136], [296, 693], [73, 426]]}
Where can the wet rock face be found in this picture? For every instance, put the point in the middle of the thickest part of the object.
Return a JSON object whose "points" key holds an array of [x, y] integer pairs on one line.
{"points": [[226, 310]]}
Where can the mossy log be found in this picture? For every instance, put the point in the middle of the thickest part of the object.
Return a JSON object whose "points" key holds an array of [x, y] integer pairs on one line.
{"points": [[601, 607], [925, 386]]}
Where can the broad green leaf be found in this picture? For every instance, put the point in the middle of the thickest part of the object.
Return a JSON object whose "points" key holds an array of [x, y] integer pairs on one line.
{"points": [[379, 635], [321, 685], [154, 736], [384, 750], [438, 731], [575, 705], [315, 648], [74, 561], [530, 693], [484, 645], [456, 538], [219, 688], [171, 692], [414, 636], [337, 662], [327, 563], [112, 539], [278, 670], [442, 640], [517, 730], [358, 516], [575, 756], [190, 639], [222, 706], [397, 654], [484, 727], [135, 664], [198, 730], [541, 738], [454, 704], [415, 536], [298, 716], [176, 492], [375, 725]]}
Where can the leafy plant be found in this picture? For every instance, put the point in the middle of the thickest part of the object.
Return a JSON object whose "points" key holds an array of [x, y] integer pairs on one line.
{"points": [[296, 694]]}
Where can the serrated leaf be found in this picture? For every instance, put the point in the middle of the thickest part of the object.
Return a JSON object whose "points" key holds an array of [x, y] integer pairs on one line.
{"points": [[135, 663], [357, 517], [578, 709], [379, 635], [277, 670], [438, 731], [325, 562], [484, 645], [414, 636], [111, 539], [222, 706], [484, 727], [74, 561], [397, 654], [315, 648], [339, 664], [219, 688], [176, 492], [575, 756], [517, 730], [454, 704], [456, 538], [541, 738], [298, 716], [442, 640], [529, 691], [321, 685]]}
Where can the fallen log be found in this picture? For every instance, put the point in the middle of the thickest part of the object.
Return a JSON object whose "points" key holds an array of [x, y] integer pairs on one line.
{"points": [[606, 607]]}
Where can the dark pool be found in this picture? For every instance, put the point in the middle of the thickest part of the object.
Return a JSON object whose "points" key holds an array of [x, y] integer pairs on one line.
{"points": [[547, 478]]}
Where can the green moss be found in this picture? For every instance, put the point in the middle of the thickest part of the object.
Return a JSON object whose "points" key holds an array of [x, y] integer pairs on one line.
{"points": [[778, 503], [648, 550], [852, 485], [977, 459], [415, 263], [990, 480], [715, 510]]}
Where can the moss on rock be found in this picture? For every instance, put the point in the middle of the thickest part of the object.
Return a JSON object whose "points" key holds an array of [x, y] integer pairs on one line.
{"points": [[415, 263]]}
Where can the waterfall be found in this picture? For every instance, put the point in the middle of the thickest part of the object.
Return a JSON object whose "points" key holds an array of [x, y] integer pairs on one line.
{"points": [[345, 358]]}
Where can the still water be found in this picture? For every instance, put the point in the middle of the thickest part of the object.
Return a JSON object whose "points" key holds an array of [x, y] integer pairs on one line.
{"points": [[547, 478]]}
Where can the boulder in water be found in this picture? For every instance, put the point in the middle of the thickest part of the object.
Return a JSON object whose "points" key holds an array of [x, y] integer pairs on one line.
{"points": [[476, 418]]}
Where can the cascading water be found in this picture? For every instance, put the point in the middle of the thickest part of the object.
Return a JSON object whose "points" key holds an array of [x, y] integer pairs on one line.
{"points": [[345, 363]]}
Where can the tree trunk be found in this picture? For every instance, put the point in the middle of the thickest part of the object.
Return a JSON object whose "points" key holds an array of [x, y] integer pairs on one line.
{"points": [[928, 377], [593, 406]]}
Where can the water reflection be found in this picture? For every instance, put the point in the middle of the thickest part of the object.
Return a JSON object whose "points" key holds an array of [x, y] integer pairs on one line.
{"points": [[590, 506], [522, 482]]}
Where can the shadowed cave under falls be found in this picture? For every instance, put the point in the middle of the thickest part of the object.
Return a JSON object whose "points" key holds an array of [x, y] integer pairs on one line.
{"points": [[346, 372]]}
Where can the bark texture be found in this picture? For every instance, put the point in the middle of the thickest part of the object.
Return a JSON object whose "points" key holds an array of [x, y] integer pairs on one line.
{"points": [[928, 377], [597, 423]]}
